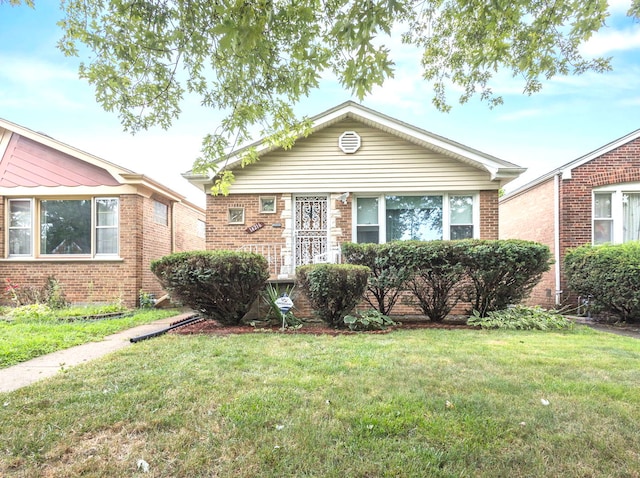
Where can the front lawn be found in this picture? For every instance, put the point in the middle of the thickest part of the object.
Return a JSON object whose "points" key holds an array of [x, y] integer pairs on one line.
{"points": [[31, 335], [410, 403]]}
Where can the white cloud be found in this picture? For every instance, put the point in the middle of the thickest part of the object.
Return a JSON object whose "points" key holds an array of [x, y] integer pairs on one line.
{"points": [[619, 6], [607, 41]]}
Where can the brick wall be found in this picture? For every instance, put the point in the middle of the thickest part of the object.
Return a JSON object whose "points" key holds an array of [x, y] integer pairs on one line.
{"points": [[186, 218], [157, 241], [178, 234], [90, 281], [530, 216], [621, 165], [221, 235], [100, 281], [489, 223]]}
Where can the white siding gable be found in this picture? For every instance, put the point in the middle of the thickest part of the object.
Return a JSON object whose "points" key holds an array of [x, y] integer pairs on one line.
{"points": [[383, 163]]}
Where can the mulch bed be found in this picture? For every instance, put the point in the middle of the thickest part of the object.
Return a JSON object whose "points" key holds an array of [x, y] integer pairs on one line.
{"points": [[212, 327]]}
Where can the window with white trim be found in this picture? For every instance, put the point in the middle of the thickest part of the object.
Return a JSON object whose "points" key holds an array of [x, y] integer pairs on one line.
{"points": [[63, 227], [160, 213], [386, 218], [20, 227], [616, 214]]}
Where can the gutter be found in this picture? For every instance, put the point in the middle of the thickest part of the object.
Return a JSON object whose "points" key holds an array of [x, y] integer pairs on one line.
{"points": [[556, 234]]}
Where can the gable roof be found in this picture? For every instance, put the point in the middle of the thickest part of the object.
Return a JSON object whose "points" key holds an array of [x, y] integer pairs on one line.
{"points": [[64, 155], [497, 168], [565, 171]]}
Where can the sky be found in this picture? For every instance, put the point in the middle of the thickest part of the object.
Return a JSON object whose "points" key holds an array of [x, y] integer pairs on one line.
{"points": [[570, 117]]}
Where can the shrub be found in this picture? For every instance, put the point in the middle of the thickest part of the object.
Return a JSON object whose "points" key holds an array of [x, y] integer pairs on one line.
{"points": [[53, 294], [388, 272], [368, 320], [502, 272], [270, 295], [333, 289], [610, 274], [521, 318], [50, 293], [221, 285], [437, 275]]}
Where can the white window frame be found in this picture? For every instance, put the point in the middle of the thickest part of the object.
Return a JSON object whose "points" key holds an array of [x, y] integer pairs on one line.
{"points": [[35, 229], [263, 199], [201, 228], [229, 214], [617, 192], [446, 211], [160, 213], [13, 228]]}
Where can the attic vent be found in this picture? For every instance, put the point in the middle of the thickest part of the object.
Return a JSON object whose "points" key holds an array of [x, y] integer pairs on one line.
{"points": [[349, 142]]}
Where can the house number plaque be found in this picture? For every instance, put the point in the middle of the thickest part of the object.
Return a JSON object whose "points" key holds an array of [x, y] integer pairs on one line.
{"points": [[256, 227]]}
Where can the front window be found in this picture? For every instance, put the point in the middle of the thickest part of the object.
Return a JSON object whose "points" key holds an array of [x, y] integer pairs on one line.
{"points": [[461, 214], [65, 226], [367, 226], [631, 217], [20, 227], [70, 227], [107, 226], [160, 213], [414, 218], [616, 214], [424, 218], [602, 218]]}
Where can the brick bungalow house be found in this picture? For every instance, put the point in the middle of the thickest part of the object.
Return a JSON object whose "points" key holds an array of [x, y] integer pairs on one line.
{"points": [[359, 176], [594, 199], [92, 225]]}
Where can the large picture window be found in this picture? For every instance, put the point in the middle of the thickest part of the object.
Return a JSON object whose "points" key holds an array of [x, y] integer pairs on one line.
{"points": [[70, 227], [616, 214], [425, 218]]}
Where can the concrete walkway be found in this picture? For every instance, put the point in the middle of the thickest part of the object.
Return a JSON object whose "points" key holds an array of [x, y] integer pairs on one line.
{"points": [[26, 373]]}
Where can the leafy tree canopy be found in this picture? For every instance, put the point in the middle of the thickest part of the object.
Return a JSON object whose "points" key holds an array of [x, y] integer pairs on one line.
{"points": [[255, 59]]}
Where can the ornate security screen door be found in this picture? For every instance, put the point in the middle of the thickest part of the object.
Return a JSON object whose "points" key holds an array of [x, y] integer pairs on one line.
{"points": [[311, 228]]}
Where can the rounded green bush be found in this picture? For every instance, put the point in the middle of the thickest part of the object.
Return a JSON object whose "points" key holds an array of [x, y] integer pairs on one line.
{"points": [[221, 285], [333, 289], [610, 274]]}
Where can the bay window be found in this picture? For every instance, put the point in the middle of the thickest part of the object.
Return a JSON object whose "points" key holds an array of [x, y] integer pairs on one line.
{"points": [[616, 214], [387, 218], [57, 227]]}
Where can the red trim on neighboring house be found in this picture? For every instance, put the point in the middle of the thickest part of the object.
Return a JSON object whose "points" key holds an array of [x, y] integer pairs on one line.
{"points": [[28, 163]]}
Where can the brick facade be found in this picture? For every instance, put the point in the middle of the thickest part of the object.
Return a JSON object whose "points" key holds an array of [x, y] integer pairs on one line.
{"points": [[489, 215], [118, 280], [534, 213], [529, 214], [222, 235], [35, 166], [621, 165]]}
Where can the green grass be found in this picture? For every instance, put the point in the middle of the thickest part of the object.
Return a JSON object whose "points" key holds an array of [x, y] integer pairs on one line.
{"points": [[25, 337], [420, 403]]}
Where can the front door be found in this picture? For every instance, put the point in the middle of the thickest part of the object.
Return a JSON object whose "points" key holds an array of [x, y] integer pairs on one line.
{"points": [[310, 233]]}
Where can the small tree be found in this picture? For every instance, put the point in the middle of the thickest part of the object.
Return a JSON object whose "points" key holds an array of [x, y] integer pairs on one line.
{"points": [[389, 272], [502, 272], [437, 275], [221, 285], [333, 289]]}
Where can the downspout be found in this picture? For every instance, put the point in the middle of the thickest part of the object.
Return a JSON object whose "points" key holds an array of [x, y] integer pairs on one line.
{"points": [[556, 234], [173, 227]]}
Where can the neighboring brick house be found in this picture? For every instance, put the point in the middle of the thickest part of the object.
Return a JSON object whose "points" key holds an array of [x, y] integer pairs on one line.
{"points": [[92, 225], [359, 176], [592, 200]]}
